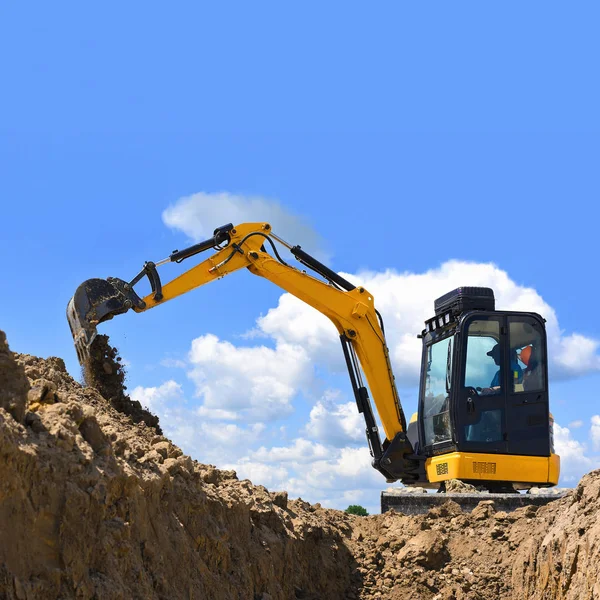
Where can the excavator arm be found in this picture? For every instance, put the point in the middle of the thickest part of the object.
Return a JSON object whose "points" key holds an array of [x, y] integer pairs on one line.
{"points": [[350, 308]]}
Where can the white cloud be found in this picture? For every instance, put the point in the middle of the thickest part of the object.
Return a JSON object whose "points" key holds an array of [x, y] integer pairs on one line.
{"points": [[320, 467], [228, 433], [256, 382], [595, 432], [173, 363], [346, 468], [576, 424], [217, 414], [199, 434], [574, 460], [334, 423], [214, 442], [158, 399], [575, 354], [199, 214], [301, 451], [316, 472], [336, 477], [272, 477], [295, 322]]}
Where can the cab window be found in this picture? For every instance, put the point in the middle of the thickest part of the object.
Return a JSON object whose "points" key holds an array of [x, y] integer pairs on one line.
{"points": [[483, 369], [484, 372], [436, 403], [527, 351]]}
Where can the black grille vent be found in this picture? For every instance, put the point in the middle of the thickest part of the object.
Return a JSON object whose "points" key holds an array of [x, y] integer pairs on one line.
{"points": [[442, 468]]}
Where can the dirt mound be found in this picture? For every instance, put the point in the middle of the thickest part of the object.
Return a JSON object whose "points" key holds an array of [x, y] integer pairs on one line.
{"points": [[447, 554], [561, 558], [95, 505], [13, 383]]}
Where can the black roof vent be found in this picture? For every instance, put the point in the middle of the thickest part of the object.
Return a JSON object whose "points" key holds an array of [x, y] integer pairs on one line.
{"points": [[463, 299]]}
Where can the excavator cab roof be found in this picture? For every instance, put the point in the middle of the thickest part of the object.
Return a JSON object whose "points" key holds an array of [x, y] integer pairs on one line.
{"points": [[449, 307]]}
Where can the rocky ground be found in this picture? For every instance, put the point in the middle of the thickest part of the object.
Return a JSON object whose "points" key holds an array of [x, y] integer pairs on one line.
{"points": [[96, 503]]}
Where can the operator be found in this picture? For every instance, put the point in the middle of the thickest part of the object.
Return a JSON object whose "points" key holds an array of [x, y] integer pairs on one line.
{"points": [[495, 385]]}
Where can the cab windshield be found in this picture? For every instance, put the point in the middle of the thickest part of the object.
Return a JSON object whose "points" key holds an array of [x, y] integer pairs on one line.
{"points": [[437, 385]]}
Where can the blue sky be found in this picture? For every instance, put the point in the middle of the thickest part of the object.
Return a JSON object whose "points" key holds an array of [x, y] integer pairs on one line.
{"points": [[399, 137]]}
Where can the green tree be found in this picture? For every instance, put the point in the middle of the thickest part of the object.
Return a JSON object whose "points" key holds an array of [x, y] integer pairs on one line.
{"points": [[357, 509]]}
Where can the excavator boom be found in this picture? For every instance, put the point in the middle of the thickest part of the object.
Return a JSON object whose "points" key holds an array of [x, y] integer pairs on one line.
{"points": [[350, 308]]}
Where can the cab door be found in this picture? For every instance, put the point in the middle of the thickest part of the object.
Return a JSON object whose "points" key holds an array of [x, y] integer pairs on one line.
{"points": [[480, 410], [527, 402]]}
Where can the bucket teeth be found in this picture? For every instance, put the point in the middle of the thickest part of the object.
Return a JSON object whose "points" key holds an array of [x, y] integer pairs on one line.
{"points": [[83, 333]]}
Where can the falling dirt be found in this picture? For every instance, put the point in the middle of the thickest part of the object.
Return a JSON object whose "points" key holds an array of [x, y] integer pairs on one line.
{"points": [[105, 372], [96, 505]]}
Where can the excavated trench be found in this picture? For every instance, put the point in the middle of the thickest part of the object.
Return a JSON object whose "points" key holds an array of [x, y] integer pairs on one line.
{"points": [[97, 503]]}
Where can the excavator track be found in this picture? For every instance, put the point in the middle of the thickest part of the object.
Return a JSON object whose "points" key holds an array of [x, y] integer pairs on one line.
{"points": [[419, 503]]}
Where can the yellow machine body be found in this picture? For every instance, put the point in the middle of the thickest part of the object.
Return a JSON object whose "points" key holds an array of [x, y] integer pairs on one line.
{"points": [[521, 471]]}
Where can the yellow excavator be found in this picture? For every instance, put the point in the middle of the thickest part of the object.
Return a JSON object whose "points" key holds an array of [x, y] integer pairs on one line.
{"points": [[483, 414]]}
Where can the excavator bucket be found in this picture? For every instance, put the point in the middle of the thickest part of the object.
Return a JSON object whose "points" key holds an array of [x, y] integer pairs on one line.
{"points": [[95, 301]]}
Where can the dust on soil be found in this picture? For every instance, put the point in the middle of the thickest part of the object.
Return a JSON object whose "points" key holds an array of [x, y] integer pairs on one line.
{"points": [[104, 371], [95, 505]]}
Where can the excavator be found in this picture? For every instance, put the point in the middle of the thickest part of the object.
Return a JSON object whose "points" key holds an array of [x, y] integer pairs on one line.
{"points": [[483, 410]]}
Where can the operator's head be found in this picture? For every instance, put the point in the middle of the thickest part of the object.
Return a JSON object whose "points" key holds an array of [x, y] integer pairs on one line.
{"points": [[495, 353]]}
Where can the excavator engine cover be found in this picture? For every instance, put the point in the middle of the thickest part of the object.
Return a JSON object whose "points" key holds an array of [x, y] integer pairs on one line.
{"points": [[465, 298]]}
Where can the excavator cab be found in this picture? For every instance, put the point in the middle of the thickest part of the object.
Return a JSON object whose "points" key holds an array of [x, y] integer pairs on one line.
{"points": [[483, 411]]}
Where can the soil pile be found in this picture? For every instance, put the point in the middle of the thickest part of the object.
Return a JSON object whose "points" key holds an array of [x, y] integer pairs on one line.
{"points": [[561, 556], [95, 505], [447, 554], [537, 553]]}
